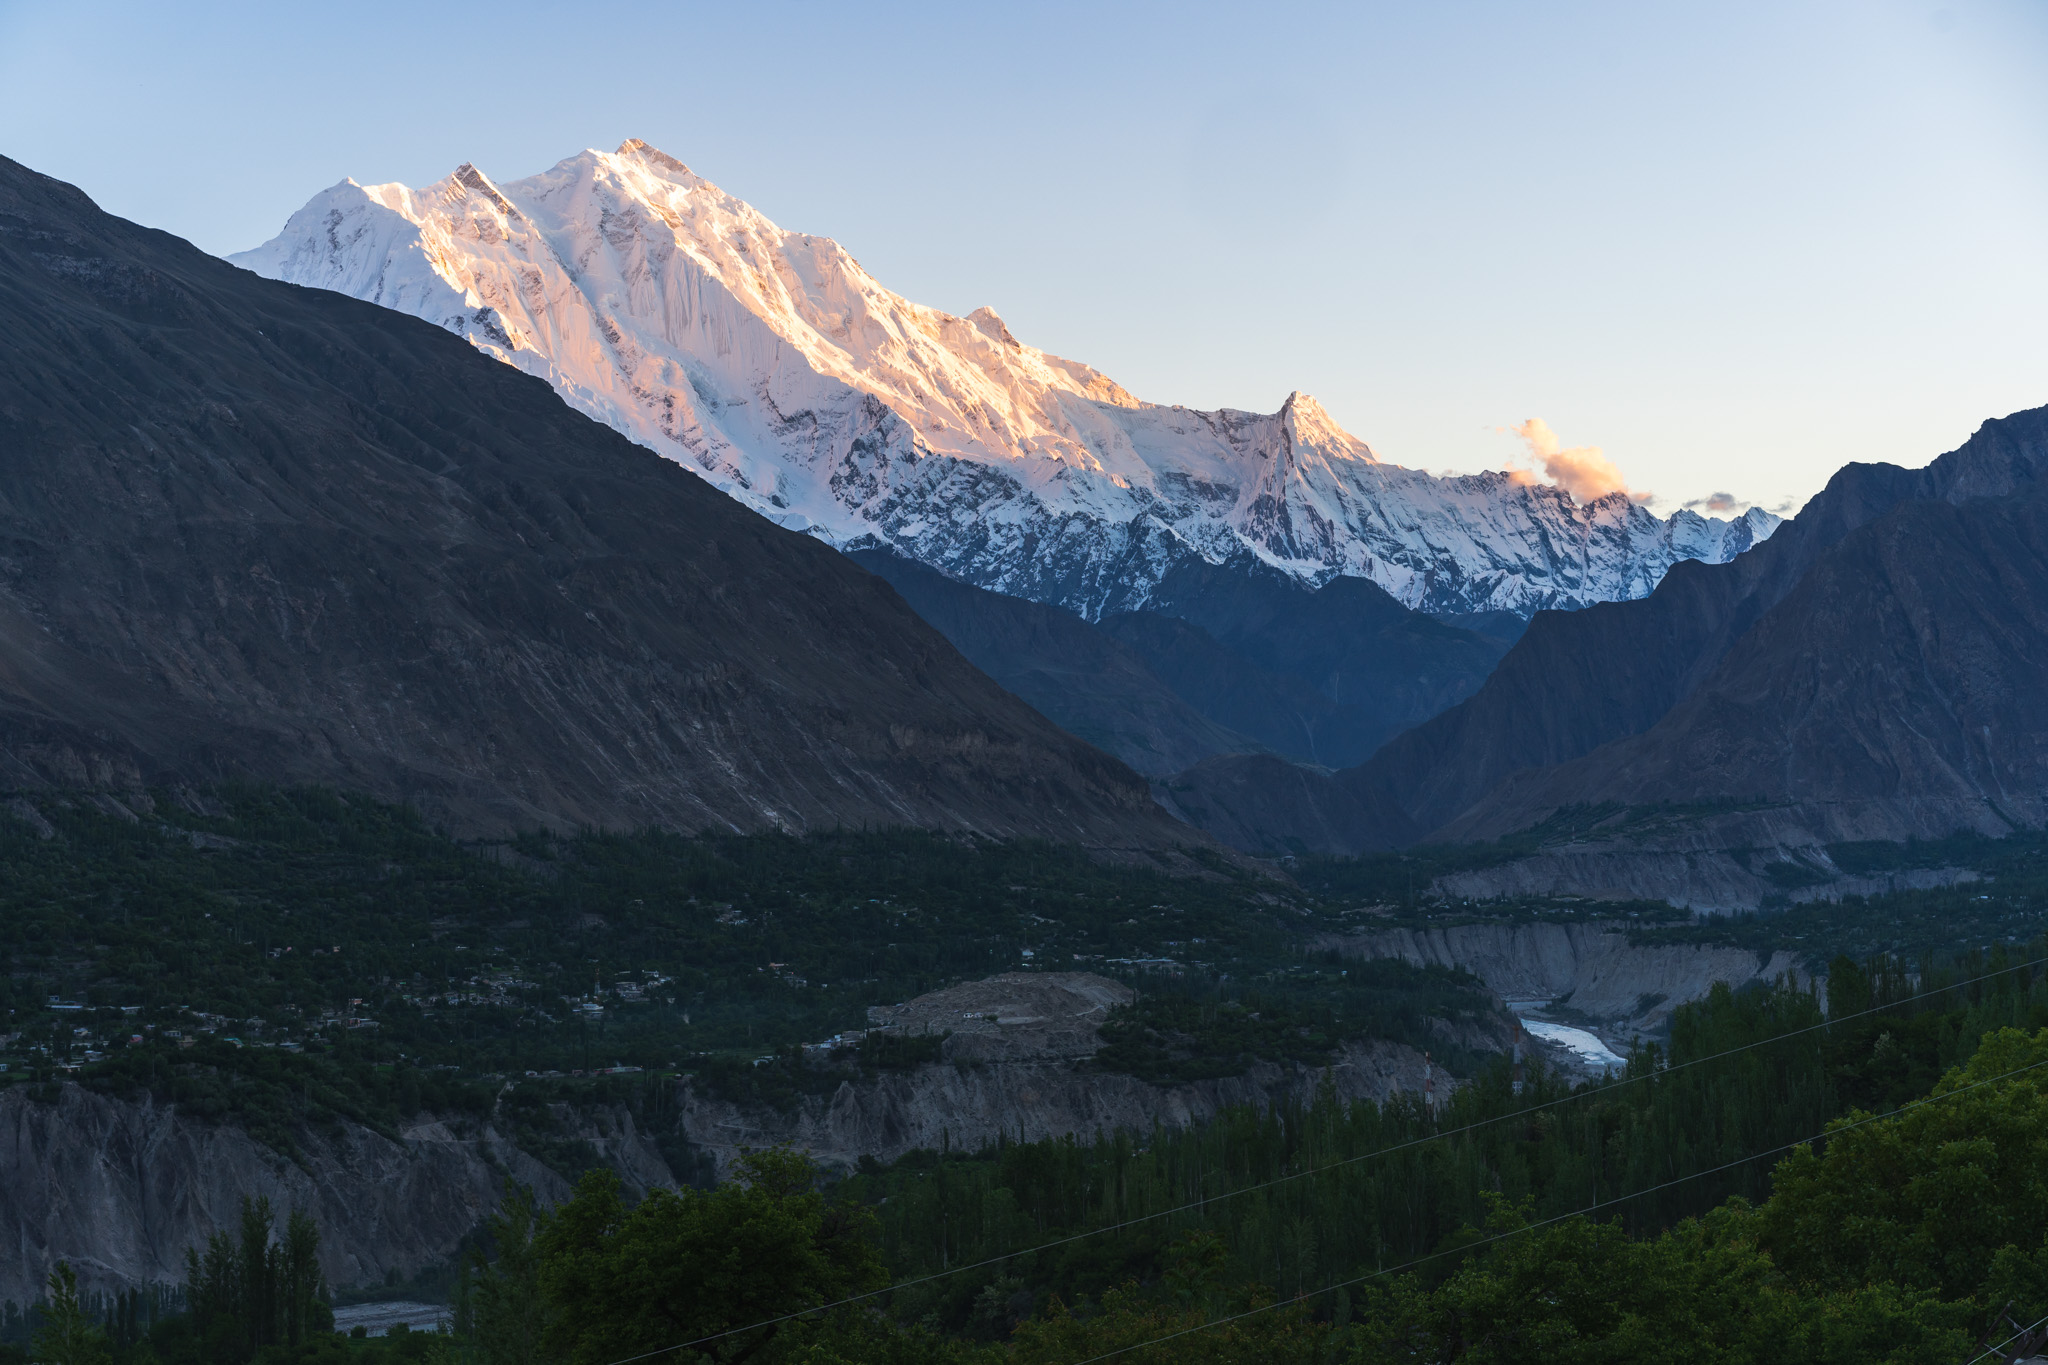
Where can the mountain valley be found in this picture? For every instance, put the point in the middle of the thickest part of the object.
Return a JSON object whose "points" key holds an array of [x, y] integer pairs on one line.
{"points": [[560, 700]]}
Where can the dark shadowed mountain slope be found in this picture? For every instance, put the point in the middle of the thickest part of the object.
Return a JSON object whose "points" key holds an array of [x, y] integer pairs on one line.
{"points": [[248, 529], [1581, 679], [1074, 673], [1237, 659], [1828, 684], [1277, 713], [1900, 689], [1269, 806], [1377, 666], [1504, 626]]}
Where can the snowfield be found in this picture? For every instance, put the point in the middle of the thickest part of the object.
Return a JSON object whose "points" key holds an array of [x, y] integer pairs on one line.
{"points": [[773, 365]]}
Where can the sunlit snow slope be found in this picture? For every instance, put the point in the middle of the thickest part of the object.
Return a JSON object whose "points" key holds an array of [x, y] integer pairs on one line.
{"points": [[774, 365]]}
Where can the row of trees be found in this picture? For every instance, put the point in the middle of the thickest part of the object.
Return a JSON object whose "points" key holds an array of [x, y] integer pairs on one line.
{"points": [[127, 1315], [1911, 1238], [254, 1295], [1393, 1181], [1363, 1232], [1915, 1238], [1328, 1231], [598, 1280], [259, 1291]]}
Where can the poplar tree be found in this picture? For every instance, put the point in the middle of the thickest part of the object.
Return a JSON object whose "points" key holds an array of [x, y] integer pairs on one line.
{"points": [[68, 1335]]}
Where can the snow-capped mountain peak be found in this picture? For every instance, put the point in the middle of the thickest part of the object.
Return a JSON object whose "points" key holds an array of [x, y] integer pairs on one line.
{"points": [[774, 365]]}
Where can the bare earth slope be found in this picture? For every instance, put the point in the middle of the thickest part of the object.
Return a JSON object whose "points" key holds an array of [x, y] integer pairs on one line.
{"points": [[122, 1189], [249, 529], [1013, 1068]]}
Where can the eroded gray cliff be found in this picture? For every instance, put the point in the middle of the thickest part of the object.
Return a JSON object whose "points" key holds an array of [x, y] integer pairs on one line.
{"points": [[122, 1188], [1014, 1067], [1592, 971]]}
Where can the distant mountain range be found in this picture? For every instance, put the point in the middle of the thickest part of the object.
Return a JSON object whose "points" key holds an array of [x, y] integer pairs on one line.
{"points": [[254, 531], [771, 363], [1877, 671]]}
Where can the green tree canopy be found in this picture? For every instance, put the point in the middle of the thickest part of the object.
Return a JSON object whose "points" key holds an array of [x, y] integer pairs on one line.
{"points": [[1578, 1292], [68, 1335], [1931, 1197], [686, 1265]]}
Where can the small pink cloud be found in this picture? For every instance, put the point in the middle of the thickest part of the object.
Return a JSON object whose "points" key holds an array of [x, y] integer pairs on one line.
{"points": [[1585, 472]]}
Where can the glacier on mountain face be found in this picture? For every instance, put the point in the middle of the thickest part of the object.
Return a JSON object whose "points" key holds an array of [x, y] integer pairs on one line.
{"points": [[776, 367]]}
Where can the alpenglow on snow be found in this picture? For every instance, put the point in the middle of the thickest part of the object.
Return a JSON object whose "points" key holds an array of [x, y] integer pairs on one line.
{"points": [[773, 365]]}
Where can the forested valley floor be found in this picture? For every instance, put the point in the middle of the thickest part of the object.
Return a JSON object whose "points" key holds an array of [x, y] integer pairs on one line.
{"points": [[286, 960]]}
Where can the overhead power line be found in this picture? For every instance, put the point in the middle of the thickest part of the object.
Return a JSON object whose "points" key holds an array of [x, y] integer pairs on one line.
{"points": [[1998, 1351], [1833, 1131], [1442, 1136]]}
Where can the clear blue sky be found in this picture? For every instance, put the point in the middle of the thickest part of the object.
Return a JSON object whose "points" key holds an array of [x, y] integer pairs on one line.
{"points": [[1735, 245]]}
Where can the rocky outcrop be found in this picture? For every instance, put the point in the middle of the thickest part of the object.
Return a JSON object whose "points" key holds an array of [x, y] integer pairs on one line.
{"points": [[121, 1189], [1595, 973]]}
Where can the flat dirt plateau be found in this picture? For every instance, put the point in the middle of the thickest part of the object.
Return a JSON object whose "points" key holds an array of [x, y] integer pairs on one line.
{"points": [[1013, 1066]]}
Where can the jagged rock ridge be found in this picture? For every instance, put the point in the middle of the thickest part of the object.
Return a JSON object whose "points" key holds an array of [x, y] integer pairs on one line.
{"points": [[774, 365]]}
